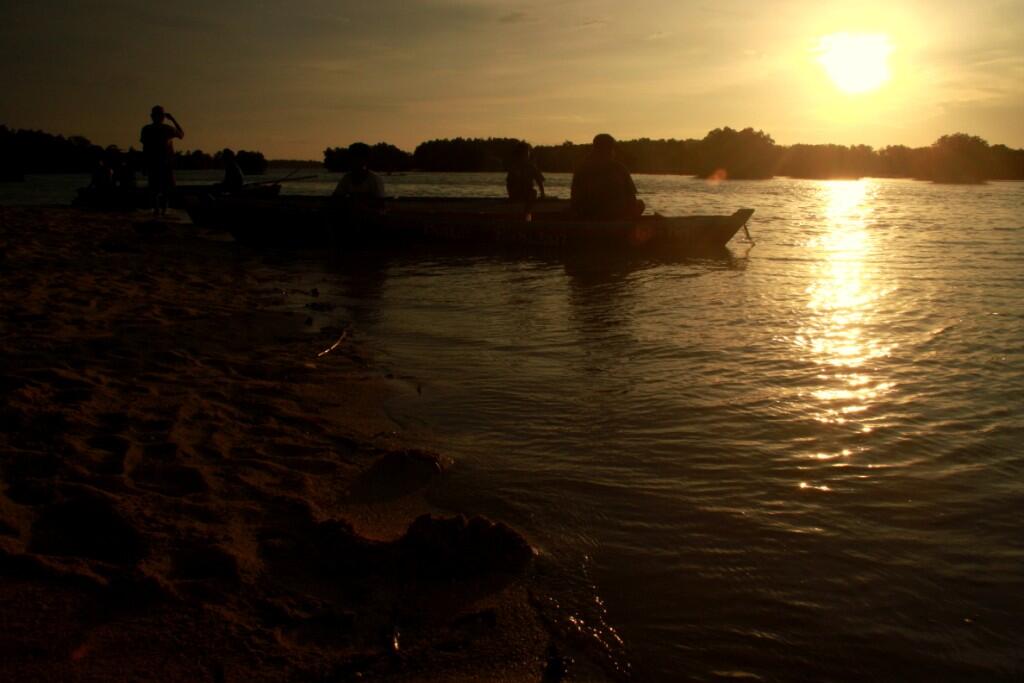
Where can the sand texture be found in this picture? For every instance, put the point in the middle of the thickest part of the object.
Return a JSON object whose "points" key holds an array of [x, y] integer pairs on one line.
{"points": [[190, 493]]}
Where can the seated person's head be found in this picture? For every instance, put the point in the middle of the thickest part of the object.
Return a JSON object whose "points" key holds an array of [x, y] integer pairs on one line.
{"points": [[521, 152], [359, 152], [228, 155], [604, 146], [157, 114]]}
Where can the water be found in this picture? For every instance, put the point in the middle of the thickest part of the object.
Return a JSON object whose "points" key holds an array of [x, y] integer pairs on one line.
{"points": [[800, 461]]}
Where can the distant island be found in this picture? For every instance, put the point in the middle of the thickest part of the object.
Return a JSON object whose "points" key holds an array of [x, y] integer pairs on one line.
{"points": [[724, 153], [34, 151]]}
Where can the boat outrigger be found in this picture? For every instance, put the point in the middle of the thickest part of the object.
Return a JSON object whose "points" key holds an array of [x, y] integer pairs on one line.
{"points": [[303, 221]]}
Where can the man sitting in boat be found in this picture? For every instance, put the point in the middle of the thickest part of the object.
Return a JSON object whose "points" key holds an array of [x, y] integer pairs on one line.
{"points": [[102, 177], [523, 175], [360, 182], [233, 178], [602, 188], [124, 175]]}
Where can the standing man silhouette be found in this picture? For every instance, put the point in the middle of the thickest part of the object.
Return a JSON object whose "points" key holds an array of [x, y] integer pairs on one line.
{"points": [[158, 153]]}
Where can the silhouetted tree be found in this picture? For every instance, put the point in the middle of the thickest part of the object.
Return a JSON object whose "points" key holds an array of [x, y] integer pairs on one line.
{"points": [[464, 154], [251, 163], [829, 161], [383, 157], [746, 153], [958, 158], [34, 151], [1005, 163], [561, 158]]}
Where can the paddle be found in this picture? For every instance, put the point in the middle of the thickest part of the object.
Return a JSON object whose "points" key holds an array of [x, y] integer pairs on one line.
{"points": [[280, 180]]}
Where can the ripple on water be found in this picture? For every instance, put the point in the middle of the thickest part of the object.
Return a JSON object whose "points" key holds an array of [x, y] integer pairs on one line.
{"points": [[798, 462]]}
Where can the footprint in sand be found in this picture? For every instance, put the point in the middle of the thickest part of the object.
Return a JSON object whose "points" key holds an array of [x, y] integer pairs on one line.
{"points": [[113, 450], [29, 478], [161, 450], [169, 479], [205, 563], [87, 527], [396, 474]]}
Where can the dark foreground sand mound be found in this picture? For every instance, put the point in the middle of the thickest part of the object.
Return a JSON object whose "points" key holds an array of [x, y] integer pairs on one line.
{"points": [[190, 493]]}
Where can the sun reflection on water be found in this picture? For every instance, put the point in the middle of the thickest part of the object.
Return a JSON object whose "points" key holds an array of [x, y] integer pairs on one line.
{"points": [[836, 331]]}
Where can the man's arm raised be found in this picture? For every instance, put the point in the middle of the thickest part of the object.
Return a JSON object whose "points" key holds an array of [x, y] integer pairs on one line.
{"points": [[177, 126]]}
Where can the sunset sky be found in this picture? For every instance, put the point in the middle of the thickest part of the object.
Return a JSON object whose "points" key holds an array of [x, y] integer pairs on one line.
{"points": [[290, 79]]}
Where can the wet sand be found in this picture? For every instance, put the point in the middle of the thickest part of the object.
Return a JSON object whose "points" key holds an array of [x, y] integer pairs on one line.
{"points": [[190, 491]]}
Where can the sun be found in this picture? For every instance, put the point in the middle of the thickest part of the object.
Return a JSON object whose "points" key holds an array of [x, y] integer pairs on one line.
{"points": [[856, 62]]}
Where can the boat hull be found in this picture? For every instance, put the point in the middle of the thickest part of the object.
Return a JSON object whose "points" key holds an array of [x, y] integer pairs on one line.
{"points": [[484, 223]]}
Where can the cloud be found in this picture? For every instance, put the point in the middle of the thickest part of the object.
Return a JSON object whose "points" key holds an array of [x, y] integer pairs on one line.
{"points": [[514, 17]]}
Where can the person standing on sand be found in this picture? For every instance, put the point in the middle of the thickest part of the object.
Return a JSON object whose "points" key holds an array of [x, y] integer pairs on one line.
{"points": [[602, 188], [158, 153]]}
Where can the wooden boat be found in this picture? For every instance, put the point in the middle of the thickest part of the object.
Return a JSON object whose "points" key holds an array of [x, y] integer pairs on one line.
{"points": [[298, 221], [140, 197]]}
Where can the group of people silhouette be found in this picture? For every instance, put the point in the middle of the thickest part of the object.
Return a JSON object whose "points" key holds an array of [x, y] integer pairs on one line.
{"points": [[602, 187]]}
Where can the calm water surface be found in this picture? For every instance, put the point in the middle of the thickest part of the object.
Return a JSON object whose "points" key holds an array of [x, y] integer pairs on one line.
{"points": [[800, 461]]}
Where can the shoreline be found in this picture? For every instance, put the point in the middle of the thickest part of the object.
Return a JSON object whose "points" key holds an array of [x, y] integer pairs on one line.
{"points": [[190, 489]]}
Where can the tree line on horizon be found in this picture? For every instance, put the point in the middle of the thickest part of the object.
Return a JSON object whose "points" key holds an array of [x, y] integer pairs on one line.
{"points": [[34, 151], [723, 153]]}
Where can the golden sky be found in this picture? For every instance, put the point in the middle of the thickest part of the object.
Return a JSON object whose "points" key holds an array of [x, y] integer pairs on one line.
{"points": [[292, 78]]}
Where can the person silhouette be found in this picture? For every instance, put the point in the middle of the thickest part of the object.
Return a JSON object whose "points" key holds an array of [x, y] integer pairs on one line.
{"points": [[102, 177], [124, 174], [602, 188], [523, 175], [158, 154], [233, 178], [359, 182]]}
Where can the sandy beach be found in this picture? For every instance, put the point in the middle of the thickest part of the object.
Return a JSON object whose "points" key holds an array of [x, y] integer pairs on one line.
{"points": [[198, 487]]}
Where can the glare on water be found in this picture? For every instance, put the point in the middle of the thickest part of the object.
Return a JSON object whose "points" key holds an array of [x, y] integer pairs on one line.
{"points": [[729, 456], [722, 459], [839, 332]]}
